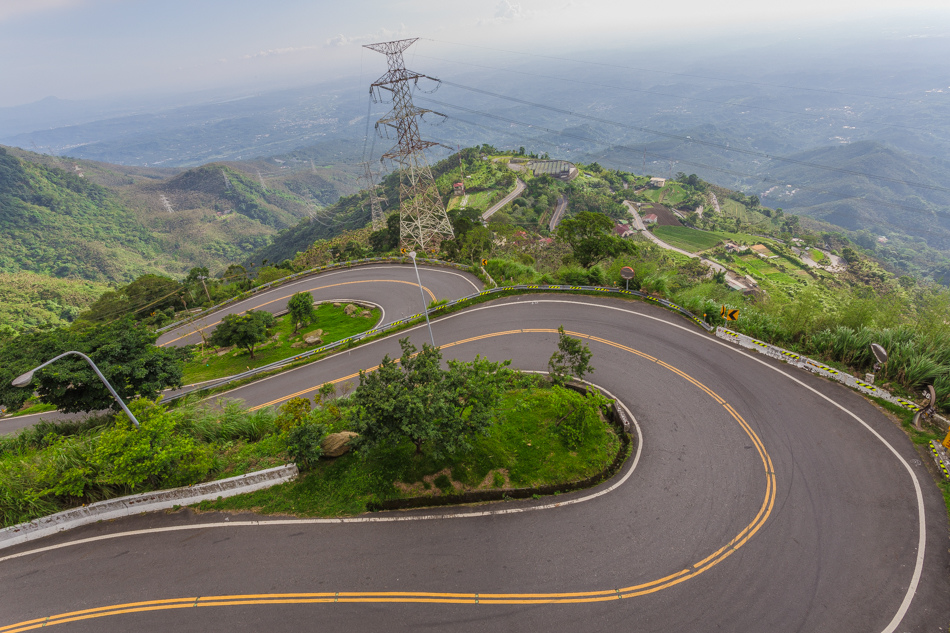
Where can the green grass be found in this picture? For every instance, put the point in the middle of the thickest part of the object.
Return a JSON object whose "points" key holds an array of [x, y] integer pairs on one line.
{"points": [[480, 200], [36, 408], [817, 255], [688, 239], [673, 194], [521, 450], [732, 209], [336, 325]]}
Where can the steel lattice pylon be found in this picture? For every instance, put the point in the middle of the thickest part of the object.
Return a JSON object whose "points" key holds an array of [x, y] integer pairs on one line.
{"points": [[374, 198], [423, 223]]}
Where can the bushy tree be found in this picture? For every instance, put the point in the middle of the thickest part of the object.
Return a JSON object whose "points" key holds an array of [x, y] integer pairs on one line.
{"points": [[588, 235], [386, 239], [572, 358], [416, 399], [301, 309], [124, 351], [244, 330], [147, 294]]}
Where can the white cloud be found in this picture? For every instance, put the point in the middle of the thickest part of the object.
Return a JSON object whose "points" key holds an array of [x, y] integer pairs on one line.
{"points": [[506, 11], [280, 51], [382, 35]]}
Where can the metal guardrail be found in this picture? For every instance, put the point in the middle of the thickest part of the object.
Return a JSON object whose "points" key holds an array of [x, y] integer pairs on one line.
{"points": [[434, 312]]}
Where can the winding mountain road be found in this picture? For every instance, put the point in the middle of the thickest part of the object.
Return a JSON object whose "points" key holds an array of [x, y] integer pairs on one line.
{"points": [[761, 499], [393, 287]]}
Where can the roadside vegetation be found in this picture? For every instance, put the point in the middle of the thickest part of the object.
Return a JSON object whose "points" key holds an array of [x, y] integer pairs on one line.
{"points": [[484, 426]]}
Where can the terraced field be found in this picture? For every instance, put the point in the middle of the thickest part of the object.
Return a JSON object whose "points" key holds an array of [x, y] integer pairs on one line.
{"points": [[688, 239]]}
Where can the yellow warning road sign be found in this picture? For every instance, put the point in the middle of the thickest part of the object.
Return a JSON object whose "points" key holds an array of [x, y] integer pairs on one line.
{"points": [[484, 262], [729, 314], [402, 250]]}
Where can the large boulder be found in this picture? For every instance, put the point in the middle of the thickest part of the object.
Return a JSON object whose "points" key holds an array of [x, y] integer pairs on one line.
{"points": [[350, 309], [337, 444]]}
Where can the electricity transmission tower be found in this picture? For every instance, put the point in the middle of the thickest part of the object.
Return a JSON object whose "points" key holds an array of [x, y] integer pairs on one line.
{"points": [[374, 199], [423, 223]]}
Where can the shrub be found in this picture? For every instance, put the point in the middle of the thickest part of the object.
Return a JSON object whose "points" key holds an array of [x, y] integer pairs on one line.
{"points": [[293, 413], [156, 455], [582, 413], [304, 443]]}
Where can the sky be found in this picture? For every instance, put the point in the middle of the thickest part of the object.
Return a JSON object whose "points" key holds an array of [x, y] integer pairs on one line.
{"points": [[110, 49]]}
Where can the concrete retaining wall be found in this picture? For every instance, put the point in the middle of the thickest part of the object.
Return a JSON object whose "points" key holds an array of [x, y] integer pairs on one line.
{"points": [[145, 502]]}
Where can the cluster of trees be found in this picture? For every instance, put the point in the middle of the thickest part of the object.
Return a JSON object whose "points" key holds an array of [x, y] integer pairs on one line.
{"points": [[123, 350]]}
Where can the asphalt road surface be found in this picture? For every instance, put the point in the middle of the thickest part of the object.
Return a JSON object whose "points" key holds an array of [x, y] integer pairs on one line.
{"points": [[762, 499]]}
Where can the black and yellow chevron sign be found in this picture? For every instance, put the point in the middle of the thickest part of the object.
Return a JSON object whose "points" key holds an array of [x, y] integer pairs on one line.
{"points": [[402, 250], [484, 262], [729, 314]]}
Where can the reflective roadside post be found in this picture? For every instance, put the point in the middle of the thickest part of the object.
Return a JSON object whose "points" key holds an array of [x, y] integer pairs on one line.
{"points": [[425, 309], [24, 380], [881, 355]]}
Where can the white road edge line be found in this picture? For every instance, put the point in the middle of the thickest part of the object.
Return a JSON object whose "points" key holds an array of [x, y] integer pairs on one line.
{"points": [[383, 519]]}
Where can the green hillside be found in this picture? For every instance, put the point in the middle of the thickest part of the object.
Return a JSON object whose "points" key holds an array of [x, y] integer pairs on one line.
{"points": [[80, 219], [29, 300], [57, 223]]}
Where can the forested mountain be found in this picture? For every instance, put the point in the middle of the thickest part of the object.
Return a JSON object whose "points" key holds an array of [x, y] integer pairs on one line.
{"points": [[60, 224], [87, 220]]}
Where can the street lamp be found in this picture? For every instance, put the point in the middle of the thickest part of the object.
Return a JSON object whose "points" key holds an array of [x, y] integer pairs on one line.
{"points": [[425, 309], [24, 380]]}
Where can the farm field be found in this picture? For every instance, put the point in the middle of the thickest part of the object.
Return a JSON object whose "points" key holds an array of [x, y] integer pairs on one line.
{"points": [[479, 200], [672, 194], [688, 239]]}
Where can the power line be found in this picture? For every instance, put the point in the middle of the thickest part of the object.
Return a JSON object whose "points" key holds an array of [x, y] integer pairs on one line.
{"points": [[689, 139], [745, 106], [664, 72], [666, 158]]}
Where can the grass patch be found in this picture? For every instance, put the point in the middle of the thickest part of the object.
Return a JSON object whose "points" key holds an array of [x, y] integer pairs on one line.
{"points": [[522, 449], [336, 325], [36, 408], [688, 239]]}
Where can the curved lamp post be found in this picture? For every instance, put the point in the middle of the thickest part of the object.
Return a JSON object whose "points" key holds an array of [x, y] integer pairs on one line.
{"points": [[425, 308], [25, 379]]}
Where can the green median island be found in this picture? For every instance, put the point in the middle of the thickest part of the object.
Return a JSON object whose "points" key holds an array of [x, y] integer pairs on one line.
{"points": [[411, 428], [329, 323], [472, 427]]}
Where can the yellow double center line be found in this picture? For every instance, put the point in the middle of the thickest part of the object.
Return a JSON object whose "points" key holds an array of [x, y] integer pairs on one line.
{"points": [[261, 305], [605, 595]]}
